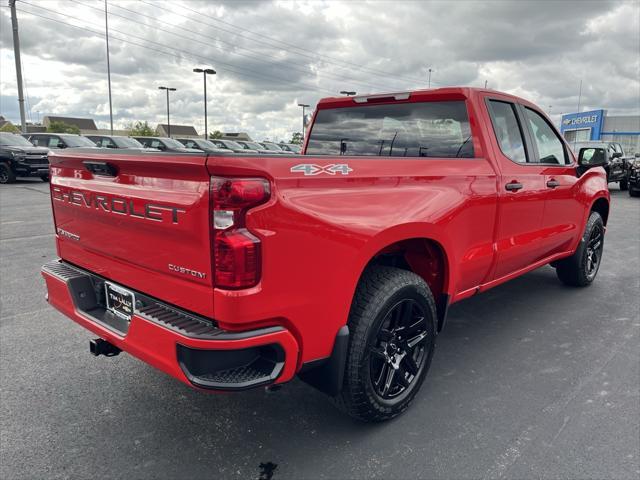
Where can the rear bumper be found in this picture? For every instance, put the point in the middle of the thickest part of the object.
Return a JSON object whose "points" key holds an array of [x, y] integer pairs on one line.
{"points": [[188, 347]]}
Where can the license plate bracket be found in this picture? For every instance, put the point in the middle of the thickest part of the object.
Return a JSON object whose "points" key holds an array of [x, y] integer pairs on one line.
{"points": [[120, 301]]}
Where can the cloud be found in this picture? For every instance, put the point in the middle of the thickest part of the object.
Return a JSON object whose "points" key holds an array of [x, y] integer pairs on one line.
{"points": [[271, 55]]}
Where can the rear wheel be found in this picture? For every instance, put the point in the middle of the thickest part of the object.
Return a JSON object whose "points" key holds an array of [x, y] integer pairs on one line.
{"points": [[634, 193], [581, 268], [44, 178], [6, 174], [393, 327]]}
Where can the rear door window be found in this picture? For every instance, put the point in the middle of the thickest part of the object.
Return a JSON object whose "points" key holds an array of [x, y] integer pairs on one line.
{"points": [[507, 130], [422, 129]]}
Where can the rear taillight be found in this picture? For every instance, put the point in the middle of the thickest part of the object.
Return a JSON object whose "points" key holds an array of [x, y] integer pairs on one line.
{"points": [[236, 251]]}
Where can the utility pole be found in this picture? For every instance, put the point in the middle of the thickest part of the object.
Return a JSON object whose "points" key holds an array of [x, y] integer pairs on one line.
{"points": [[16, 52], [485, 84], [168, 89], [429, 78], [106, 28], [304, 106], [205, 72], [579, 95]]}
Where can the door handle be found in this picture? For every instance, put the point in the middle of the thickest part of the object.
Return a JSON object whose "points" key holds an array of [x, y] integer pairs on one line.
{"points": [[513, 186], [553, 183]]}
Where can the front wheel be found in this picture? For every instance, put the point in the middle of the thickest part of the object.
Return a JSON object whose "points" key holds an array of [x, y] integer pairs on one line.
{"points": [[634, 193], [393, 328], [44, 178], [6, 174], [624, 185], [580, 269]]}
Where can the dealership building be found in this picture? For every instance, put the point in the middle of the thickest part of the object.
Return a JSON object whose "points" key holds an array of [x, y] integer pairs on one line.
{"points": [[596, 125]]}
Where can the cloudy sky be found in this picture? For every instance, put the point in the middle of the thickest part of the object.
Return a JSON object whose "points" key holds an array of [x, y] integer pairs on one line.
{"points": [[270, 56]]}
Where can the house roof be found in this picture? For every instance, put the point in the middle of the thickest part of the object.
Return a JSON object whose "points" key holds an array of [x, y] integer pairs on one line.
{"points": [[81, 123], [179, 129]]}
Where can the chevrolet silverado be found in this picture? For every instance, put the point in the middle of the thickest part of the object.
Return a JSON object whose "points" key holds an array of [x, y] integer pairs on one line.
{"points": [[235, 271]]}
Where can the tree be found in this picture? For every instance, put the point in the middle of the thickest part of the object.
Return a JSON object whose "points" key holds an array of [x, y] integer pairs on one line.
{"points": [[61, 127], [9, 127], [140, 129], [296, 138], [215, 134]]}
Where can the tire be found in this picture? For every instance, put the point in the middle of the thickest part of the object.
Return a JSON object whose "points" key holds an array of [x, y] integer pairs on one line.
{"points": [[393, 329], [44, 178], [6, 174], [580, 269], [624, 185], [634, 193]]}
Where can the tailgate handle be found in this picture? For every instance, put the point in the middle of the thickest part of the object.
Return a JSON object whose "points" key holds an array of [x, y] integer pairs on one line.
{"points": [[101, 168]]}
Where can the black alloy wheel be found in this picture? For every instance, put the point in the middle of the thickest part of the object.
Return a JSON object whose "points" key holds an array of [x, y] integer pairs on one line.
{"points": [[595, 245], [399, 354]]}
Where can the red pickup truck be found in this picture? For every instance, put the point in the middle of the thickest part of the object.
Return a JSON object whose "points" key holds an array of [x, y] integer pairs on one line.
{"points": [[236, 271]]}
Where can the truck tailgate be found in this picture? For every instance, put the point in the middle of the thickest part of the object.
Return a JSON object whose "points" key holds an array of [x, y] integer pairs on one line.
{"points": [[139, 219]]}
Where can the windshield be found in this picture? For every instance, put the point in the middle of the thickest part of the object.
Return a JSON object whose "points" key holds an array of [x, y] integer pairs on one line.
{"points": [[206, 144], [9, 140], [252, 146], [271, 146], [126, 142], [171, 143], [73, 141], [290, 147], [231, 144], [424, 129]]}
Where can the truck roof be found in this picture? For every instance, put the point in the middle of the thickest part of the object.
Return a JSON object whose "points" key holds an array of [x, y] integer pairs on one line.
{"points": [[453, 93]]}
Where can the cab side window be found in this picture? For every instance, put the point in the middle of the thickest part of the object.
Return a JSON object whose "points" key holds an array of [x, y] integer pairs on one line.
{"points": [[507, 130], [40, 141], [550, 147], [190, 144]]}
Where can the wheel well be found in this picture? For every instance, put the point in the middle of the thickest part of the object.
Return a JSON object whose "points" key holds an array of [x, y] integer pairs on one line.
{"points": [[602, 207], [425, 258]]}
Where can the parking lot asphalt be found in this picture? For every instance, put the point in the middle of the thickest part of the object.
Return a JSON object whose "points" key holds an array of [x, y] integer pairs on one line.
{"points": [[530, 380]]}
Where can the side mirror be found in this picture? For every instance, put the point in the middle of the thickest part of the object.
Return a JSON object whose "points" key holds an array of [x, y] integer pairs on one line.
{"points": [[616, 155], [591, 157], [161, 147]]}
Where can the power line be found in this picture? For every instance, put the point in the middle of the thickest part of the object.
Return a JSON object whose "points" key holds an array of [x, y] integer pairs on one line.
{"points": [[271, 39], [229, 67], [260, 56]]}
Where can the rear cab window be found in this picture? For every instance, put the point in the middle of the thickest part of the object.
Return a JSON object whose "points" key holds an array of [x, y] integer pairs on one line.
{"points": [[437, 129]]}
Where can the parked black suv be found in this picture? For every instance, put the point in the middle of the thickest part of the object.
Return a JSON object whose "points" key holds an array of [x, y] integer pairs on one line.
{"points": [[633, 178], [19, 158], [58, 140]]}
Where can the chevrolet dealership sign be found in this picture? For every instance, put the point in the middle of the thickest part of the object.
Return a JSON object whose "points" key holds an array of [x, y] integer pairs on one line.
{"points": [[592, 121]]}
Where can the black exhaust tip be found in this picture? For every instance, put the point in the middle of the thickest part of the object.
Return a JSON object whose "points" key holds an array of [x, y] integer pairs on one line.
{"points": [[99, 347]]}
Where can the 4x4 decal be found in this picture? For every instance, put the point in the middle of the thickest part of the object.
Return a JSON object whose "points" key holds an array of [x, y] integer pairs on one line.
{"points": [[313, 169]]}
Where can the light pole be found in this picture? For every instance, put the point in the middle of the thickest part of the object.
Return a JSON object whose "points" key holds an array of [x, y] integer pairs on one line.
{"points": [[348, 93], [168, 89], [303, 105], [429, 78], [205, 72], [106, 29]]}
